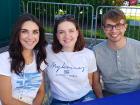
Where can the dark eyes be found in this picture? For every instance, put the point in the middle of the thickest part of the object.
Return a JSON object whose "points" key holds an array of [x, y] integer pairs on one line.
{"points": [[63, 32], [24, 31]]}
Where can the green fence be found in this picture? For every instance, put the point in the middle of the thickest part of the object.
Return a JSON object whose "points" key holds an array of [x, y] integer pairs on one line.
{"points": [[9, 11]]}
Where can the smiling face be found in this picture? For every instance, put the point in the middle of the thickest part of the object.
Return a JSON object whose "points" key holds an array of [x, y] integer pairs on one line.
{"points": [[115, 31], [29, 35], [67, 35]]}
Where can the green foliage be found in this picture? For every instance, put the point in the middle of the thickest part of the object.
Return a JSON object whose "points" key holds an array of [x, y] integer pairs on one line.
{"points": [[136, 18], [91, 2], [48, 29], [133, 32], [60, 12]]}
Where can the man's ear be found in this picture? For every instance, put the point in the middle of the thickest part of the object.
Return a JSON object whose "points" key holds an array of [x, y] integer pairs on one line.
{"points": [[126, 25]]}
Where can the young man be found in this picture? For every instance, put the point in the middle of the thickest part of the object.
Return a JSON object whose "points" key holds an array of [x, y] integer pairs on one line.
{"points": [[118, 57]]}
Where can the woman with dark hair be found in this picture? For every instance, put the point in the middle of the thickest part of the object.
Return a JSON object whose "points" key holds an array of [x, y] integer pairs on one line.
{"points": [[21, 70], [71, 67]]}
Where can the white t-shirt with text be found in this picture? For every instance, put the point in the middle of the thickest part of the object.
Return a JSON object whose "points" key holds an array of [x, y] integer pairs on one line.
{"points": [[68, 73]]}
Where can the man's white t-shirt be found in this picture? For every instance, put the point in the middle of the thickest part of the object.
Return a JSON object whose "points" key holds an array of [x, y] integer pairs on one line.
{"points": [[68, 73], [24, 87]]}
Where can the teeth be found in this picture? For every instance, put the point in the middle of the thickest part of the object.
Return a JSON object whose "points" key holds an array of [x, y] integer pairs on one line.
{"points": [[29, 43], [114, 35], [67, 41]]}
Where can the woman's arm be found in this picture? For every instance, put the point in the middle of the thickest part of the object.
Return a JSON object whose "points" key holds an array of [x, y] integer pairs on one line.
{"points": [[6, 92], [95, 83], [90, 77], [40, 94]]}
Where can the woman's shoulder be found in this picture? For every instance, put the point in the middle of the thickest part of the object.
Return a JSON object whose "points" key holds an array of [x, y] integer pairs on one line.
{"points": [[49, 47], [5, 62], [4, 54], [4, 59], [49, 50], [87, 51]]}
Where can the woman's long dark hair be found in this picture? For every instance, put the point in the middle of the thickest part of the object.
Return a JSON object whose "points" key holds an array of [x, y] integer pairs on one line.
{"points": [[15, 48]]}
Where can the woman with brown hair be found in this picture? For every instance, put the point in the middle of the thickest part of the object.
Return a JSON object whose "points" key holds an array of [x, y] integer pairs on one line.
{"points": [[71, 67], [21, 70]]}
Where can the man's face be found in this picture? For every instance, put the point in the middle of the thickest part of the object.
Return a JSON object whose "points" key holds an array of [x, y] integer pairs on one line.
{"points": [[114, 31]]}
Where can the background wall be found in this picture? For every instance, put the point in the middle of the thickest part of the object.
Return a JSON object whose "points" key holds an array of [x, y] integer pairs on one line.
{"points": [[9, 11]]}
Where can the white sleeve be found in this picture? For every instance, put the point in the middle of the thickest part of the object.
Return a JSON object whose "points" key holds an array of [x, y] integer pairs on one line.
{"points": [[43, 66], [5, 64], [92, 63]]}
